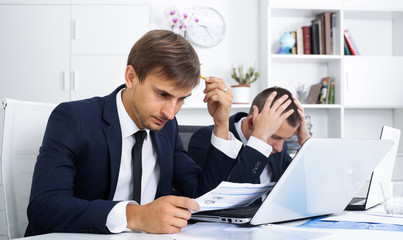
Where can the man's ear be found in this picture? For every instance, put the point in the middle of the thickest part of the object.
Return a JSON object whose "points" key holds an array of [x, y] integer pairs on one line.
{"points": [[130, 76], [249, 120]]}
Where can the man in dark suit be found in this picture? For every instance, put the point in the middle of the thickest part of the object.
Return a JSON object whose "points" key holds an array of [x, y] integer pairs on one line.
{"points": [[275, 115], [84, 177]]}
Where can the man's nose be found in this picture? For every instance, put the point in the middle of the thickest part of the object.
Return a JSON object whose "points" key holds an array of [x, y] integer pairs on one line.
{"points": [[278, 147], [170, 110]]}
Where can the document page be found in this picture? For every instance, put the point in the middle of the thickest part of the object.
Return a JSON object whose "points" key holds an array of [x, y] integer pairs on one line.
{"points": [[228, 194]]}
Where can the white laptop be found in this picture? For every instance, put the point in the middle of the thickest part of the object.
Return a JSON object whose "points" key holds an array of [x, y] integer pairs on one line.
{"points": [[370, 193], [323, 177]]}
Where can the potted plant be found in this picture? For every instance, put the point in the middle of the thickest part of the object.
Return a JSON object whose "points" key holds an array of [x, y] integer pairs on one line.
{"points": [[241, 90]]}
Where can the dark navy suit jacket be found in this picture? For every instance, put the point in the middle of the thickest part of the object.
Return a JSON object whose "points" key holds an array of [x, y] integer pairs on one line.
{"points": [[77, 169], [250, 162]]}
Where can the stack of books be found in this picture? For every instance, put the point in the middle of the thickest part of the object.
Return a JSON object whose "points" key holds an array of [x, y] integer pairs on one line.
{"points": [[322, 92], [317, 38]]}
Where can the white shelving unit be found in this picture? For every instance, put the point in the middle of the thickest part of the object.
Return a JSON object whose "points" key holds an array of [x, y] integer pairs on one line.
{"points": [[369, 87]]}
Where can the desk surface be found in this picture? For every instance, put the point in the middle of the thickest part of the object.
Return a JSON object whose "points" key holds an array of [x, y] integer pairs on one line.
{"points": [[224, 231]]}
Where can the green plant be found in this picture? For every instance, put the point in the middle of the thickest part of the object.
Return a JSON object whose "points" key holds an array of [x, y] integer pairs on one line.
{"points": [[244, 79]]}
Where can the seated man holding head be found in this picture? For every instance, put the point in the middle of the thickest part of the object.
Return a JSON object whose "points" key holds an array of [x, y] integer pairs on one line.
{"points": [[275, 115]]}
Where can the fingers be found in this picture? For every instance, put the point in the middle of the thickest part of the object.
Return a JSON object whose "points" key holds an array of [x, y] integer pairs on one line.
{"points": [[164, 215], [184, 202], [298, 103], [273, 114], [215, 83], [216, 90], [279, 106]]}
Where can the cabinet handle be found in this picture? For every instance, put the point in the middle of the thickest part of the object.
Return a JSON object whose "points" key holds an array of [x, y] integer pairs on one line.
{"points": [[74, 29], [73, 80], [64, 82]]}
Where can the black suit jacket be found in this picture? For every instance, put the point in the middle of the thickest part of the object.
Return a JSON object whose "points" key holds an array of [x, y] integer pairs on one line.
{"points": [[77, 169], [250, 162]]}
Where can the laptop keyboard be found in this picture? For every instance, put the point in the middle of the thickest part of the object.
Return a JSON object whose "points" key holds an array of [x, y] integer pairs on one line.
{"points": [[240, 212]]}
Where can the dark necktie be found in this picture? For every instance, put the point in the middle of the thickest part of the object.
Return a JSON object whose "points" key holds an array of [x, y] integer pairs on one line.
{"points": [[137, 168]]}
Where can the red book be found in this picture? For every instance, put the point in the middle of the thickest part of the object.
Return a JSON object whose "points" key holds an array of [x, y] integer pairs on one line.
{"points": [[350, 43], [306, 33]]}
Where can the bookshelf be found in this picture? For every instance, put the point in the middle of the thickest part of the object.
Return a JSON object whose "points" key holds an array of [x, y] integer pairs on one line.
{"points": [[368, 91]]}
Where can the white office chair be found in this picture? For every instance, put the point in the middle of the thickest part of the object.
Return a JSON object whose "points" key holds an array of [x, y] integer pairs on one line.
{"points": [[23, 127]]}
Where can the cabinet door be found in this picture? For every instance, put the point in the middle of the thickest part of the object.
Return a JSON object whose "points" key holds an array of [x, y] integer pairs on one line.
{"points": [[96, 75], [108, 29], [373, 81], [35, 50]]}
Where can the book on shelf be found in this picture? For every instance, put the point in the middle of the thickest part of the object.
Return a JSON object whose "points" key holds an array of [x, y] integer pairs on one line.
{"points": [[346, 48], [331, 92], [318, 23], [350, 43], [333, 33], [315, 38], [300, 41], [294, 49], [306, 33], [324, 91], [326, 27], [313, 95]]}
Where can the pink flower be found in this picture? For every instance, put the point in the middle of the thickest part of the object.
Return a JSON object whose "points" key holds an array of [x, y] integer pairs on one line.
{"points": [[180, 21]]}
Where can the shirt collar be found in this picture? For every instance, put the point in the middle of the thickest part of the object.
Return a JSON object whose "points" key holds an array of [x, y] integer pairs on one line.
{"points": [[238, 127]]}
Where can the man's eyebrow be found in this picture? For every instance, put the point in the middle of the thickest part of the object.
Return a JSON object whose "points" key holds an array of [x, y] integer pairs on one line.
{"points": [[169, 94], [276, 136]]}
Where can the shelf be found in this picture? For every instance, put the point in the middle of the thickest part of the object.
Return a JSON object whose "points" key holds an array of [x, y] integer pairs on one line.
{"points": [[304, 58], [321, 106], [374, 107]]}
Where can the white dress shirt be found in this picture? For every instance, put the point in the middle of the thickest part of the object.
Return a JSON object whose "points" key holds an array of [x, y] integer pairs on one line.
{"points": [[116, 220]]}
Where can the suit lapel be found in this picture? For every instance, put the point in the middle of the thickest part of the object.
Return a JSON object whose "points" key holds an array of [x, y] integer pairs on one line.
{"points": [[113, 135], [159, 141]]}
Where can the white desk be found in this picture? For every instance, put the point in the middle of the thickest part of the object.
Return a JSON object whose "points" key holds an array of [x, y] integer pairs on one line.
{"points": [[231, 232]]}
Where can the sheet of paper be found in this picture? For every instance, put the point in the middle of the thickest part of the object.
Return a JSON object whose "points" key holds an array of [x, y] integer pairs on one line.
{"points": [[228, 194], [368, 217]]}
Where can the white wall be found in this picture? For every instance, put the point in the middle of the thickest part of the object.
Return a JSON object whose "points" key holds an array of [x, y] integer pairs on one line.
{"points": [[240, 45]]}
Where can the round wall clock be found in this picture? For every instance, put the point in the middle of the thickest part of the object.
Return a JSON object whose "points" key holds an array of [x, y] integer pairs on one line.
{"points": [[210, 29]]}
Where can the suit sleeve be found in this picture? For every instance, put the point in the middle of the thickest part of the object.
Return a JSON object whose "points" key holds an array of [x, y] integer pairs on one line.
{"points": [[246, 168], [53, 206], [215, 166], [199, 144], [249, 163]]}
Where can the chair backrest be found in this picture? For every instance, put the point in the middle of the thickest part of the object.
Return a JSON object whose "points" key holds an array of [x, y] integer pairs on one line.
{"points": [[23, 127], [186, 132]]}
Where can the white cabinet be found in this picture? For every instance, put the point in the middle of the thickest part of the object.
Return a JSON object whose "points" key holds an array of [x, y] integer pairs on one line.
{"points": [[67, 50], [373, 81], [107, 29], [102, 37], [368, 87], [35, 52], [96, 75]]}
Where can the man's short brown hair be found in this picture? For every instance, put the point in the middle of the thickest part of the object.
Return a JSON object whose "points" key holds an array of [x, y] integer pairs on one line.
{"points": [[167, 53]]}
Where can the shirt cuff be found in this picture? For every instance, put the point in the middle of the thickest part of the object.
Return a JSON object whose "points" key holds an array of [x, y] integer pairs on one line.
{"points": [[116, 222], [230, 147], [260, 146]]}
